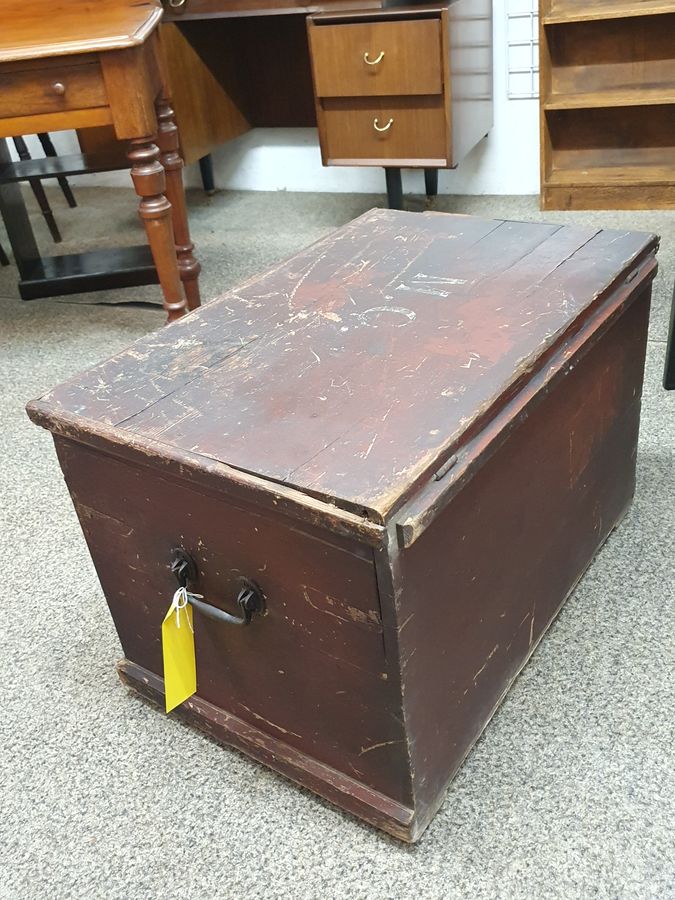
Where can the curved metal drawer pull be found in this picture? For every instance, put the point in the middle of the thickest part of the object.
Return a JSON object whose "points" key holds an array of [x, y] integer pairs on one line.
{"points": [[176, 4], [249, 599], [373, 62], [384, 127]]}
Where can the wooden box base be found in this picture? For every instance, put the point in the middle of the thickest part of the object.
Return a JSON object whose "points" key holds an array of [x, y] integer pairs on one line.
{"points": [[338, 788], [601, 196]]}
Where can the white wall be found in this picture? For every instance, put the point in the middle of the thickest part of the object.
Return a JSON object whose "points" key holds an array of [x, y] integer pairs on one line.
{"points": [[288, 159]]}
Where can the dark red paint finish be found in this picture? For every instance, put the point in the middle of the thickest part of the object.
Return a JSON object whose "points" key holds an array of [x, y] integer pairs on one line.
{"points": [[291, 432], [542, 507], [351, 333]]}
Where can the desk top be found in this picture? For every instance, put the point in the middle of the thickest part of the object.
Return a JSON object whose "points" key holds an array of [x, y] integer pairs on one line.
{"points": [[32, 29]]}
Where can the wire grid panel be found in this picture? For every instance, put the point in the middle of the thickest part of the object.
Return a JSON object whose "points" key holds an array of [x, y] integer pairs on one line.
{"points": [[522, 38]]}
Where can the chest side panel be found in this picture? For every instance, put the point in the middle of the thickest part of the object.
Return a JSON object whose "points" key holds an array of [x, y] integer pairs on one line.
{"points": [[480, 587], [312, 672]]}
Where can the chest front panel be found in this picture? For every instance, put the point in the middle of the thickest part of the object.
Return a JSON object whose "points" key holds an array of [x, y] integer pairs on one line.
{"points": [[312, 671]]}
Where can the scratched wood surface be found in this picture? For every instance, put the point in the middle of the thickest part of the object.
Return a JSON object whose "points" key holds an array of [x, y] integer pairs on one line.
{"points": [[353, 370], [32, 29], [323, 613]]}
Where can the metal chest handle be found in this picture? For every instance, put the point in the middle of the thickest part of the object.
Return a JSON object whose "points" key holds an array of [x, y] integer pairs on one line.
{"points": [[249, 599]]}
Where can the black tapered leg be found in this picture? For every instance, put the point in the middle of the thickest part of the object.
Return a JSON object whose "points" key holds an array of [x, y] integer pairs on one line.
{"points": [[50, 150], [39, 191], [394, 188], [669, 371], [206, 171], [4, 259], [431, 182]]}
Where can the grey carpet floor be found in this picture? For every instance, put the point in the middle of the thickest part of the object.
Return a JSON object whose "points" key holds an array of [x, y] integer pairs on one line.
{"points": [[569, 794]]}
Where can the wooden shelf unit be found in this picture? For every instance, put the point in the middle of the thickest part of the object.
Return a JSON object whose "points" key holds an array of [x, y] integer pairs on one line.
{"points": [[607, 89]]}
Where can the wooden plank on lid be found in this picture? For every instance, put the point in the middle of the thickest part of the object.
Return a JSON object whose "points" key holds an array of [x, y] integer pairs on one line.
{"points": [[351, 371]]}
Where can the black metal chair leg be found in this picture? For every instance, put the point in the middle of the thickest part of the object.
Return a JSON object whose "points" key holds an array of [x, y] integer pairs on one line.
{"points": [[4, 259], [431, 182], [669, 370], [17, 222], [39, 191], [206, 171], [50, 150], [394, 188]]}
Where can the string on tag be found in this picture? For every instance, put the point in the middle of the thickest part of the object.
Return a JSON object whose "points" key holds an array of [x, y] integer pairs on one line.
{"points": [[180, 600]]}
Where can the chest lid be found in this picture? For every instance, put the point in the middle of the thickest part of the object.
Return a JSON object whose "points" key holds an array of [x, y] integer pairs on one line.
{"points": [[353, 371]]}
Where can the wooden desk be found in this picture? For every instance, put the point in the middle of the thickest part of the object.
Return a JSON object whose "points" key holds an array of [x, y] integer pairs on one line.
{"points": [[86, 65], [240, 64]]}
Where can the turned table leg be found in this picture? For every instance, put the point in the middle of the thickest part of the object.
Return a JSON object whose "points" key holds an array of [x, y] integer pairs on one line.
{"points": [[147, 174], [167, 138]]}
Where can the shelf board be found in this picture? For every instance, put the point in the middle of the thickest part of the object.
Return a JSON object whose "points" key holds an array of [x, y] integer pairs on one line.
{"points": [[582, 11], [637, 96], [612, 175], [608, 196]]}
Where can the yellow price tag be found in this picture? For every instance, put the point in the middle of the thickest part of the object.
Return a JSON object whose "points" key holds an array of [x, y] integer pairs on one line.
{"points": [[178, 651]]}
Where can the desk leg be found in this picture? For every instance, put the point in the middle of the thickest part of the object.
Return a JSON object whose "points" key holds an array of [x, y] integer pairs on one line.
{"points": [[206, 172], [149, 180], [394, 188], [431, 182], [167, 138]]}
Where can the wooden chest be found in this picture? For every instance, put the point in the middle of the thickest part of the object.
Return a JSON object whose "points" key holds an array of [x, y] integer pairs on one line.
{"points": [[412, 437]]}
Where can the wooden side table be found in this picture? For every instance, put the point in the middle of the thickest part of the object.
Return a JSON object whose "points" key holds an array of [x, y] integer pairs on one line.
{"points": [[100, 64]]}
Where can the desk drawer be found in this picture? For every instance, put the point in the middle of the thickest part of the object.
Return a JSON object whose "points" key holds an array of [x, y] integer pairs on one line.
{"points": [[51, 89], [377, 58], [394, 128]]}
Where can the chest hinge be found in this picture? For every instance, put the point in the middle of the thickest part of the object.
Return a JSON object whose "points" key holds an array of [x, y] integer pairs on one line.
{"points": [[445, 468]]}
